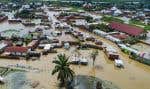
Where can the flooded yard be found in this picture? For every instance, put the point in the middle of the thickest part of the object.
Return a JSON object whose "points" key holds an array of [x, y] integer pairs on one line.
{"points": [[141, 47], [22, 29], [135, 75]]}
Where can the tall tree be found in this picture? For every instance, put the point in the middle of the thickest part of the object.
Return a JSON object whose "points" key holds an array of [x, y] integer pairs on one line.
{"points": [[62, 68], [94, 54]]}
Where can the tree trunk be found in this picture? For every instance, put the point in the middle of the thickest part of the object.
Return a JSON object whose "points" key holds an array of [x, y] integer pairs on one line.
{"points": [[99, 85], [93, 61]]}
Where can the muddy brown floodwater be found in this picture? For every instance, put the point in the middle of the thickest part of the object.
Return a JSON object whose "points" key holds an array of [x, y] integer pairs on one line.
{"points": [[135, 75]]}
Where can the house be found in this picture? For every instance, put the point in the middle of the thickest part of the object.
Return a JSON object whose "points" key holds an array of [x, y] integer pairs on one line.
{"points": [[100, 33], [3, 17], [2, 47], [66, 45], [120, 36], [113, 39], [117, 12], [13, 20], [16, 51], [145, 57], [33, 44], [128, 50], [105, 11], [48, 47], [110, 52], [147, 21], [81, 22], [83, 61], [56, 33], [124, 28], [87, 5], [119, 63], [114, 8], [26, 6], [1, 79]]}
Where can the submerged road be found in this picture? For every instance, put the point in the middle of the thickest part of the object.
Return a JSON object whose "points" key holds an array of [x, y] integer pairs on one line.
{"points": [[135, 75]]}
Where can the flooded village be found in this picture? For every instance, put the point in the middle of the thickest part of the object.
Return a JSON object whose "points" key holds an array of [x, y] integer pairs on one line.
{"points": [[49, 45]]}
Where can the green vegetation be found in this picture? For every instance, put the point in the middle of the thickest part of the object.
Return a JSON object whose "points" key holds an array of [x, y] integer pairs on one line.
{"points": [[62, 14], [102, 27], [147, 28], [76, 9], [89, 19], [25, 14], [131, 40], [65, 74], [140, 24], [111, 19], [136, 22], [11, 32]]}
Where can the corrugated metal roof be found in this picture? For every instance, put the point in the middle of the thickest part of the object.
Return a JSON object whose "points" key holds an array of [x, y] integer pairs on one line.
{"points": [[16, 49], [131, 30]]}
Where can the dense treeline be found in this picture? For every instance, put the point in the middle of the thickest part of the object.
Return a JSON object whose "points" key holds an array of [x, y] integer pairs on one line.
{"points": [[78, 0], [123, 4]]}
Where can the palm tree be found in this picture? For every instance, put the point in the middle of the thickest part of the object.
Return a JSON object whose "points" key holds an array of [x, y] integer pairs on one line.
{"points": [[99, 85], [62, 68], [94, 54], [77, 52]]}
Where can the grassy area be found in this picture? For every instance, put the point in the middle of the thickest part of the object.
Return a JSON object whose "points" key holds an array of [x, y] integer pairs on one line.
{"points": [[76, 9], [102, 27], [111, 19], [147, 28], [140, 24], [136, 22]]}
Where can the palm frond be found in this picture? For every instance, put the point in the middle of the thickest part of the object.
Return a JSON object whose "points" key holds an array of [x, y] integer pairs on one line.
{"points": [[62, 68]]}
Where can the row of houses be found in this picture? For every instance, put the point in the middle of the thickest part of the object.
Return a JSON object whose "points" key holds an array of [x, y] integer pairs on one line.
{"points": [[121, 32], [127, 30], [141, 15], [143, 57]]}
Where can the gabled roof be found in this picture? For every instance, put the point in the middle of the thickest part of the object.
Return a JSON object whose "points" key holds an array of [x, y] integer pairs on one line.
{"points": [[16, 49], [131, 30]]}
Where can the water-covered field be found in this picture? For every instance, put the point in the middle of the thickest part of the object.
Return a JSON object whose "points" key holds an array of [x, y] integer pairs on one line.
{"points": [[135, 75]]}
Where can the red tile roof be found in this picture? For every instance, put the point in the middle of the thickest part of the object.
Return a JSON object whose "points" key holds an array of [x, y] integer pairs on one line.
{"points": [[131, 30], [16, 49], [120, 36]]}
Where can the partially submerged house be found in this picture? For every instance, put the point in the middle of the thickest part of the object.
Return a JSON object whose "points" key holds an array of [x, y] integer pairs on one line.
{"points": [[111, 52], [144, 57], [128, 29], [1, 79], [16, 51], [100, 33], [14, 20], [128, 50], [47, 47], [81, 22], [113, 39], [33, 44], [3, 17], [2, 47]]}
